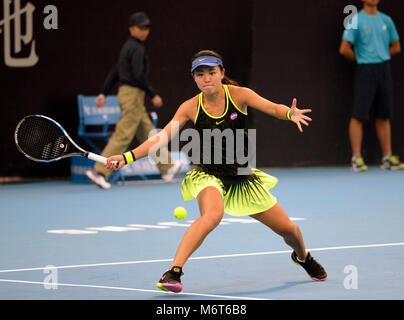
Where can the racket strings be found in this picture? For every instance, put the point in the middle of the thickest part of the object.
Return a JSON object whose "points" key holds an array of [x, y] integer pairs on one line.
{"points": [[41, 139]]}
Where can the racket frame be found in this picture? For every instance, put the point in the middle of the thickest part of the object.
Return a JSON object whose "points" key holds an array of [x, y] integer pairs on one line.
{"points": [[82, 152]]}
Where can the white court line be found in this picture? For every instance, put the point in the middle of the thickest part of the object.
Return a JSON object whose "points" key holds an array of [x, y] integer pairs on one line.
{"points": [[208, 257], [131, 289]]}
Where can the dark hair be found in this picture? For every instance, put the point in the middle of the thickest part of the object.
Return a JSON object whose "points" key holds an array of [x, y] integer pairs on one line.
{"points": [[225, 80]]}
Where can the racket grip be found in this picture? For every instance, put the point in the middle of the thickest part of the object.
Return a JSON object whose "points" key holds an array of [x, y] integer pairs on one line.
{"points": [[99, 158]]}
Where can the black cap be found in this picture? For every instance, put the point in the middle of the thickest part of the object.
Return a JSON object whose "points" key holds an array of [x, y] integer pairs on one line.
{"points": [[139, 19]]}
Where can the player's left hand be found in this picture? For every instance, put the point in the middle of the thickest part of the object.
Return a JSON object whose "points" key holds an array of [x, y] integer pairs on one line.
{"points": [[157, 101], [298, 116], [100, 100]]}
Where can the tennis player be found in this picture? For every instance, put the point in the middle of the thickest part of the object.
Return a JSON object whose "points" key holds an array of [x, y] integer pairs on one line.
{"points": [[219, 188]]}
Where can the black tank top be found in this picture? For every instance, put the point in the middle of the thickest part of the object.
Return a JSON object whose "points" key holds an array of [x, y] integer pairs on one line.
{"points": [[224, 137]]}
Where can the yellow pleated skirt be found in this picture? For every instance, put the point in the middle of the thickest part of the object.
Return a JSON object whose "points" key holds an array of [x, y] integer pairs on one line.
{"points": [[244, 198]]}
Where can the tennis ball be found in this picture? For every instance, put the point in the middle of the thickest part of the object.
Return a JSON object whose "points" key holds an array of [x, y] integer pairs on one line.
{"points": [[180, 213]]}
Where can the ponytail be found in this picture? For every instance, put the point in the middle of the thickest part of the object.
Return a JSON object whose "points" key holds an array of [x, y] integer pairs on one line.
{"points": [[227, 80]]}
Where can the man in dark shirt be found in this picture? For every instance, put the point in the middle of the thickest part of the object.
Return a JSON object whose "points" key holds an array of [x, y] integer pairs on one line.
{"points": [[131, 71]]}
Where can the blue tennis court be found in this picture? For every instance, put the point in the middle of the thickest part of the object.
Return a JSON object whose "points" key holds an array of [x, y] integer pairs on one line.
{"points": [[63, 240]]}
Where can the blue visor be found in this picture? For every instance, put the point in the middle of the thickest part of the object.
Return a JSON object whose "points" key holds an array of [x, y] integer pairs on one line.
{"points": [[206, 61]]}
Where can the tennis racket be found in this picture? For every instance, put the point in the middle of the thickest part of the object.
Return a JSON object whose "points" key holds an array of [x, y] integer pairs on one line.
{"points": [[42, 139]]}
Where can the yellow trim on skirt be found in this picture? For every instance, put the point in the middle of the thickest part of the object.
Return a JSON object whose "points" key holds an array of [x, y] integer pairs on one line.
{"points": [[240, 199]]}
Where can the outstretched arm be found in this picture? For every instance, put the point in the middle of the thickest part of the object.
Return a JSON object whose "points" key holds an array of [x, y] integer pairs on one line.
{"points": [[155, 142], [279, 111]]}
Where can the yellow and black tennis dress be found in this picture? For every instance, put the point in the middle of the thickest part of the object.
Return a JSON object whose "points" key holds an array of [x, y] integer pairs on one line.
{"points": [[244, 194]]}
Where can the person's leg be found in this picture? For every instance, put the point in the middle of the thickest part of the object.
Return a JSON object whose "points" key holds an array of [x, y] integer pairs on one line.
{"points": [[211, 209], [384, 109], [383, 130], [365, 89], [277, 219], [130, 101], [355, 136]]}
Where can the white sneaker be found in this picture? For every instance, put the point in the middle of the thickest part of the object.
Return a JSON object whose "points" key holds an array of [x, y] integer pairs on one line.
{"points": [[97, 179], [169, 175]]}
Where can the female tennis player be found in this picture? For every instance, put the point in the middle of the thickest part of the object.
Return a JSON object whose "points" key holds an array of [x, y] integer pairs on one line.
{"points": [[219, 188]]}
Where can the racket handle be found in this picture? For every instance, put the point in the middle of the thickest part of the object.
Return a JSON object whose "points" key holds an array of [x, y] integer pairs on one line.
{"points": [[96, 158], [99, 158]]}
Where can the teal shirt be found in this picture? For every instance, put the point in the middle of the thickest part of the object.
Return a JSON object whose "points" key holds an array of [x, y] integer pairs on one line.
{"points": [[372, 39]]}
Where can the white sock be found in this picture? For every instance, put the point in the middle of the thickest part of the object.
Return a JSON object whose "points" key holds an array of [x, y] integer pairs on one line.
{"points": [[386, 157], [302, 261]]}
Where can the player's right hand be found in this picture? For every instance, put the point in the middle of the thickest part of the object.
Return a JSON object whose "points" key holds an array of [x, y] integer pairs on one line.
{"points": [[100, 100], [115, 162]]}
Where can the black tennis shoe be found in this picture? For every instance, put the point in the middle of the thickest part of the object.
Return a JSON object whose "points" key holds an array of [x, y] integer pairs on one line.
{"points": [[312, 267], [171, 280]]}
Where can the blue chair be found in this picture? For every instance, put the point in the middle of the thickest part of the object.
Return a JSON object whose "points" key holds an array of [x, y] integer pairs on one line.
{"points": [[98, 123]]}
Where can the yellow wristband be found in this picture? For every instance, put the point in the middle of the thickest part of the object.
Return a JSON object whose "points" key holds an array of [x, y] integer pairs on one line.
{"points": [[129, 157], [288, 115]]}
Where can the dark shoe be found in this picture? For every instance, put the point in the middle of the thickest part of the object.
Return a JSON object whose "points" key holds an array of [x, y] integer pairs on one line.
{"points": [[171, 280], [312, 267]]}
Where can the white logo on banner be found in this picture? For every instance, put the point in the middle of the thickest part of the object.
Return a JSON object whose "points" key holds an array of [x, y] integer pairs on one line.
{"points": [[19, 36], [22, 17], [351, 21]]}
